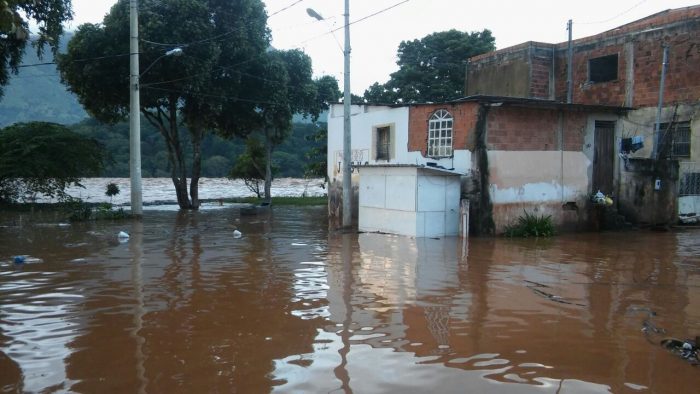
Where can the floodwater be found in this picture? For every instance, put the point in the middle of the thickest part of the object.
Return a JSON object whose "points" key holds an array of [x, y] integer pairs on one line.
{"points": [[291, 307], [161, 190]]}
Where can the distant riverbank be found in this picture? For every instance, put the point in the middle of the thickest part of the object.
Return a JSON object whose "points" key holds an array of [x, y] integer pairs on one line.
{"points": [[161, 190]]}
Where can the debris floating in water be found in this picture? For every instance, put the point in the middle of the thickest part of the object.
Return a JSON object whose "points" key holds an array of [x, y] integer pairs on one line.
{"points": [[24, 259], [123, 236], [237, 234]]}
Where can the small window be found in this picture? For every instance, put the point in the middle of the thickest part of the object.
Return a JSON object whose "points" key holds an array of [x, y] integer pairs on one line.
{"points": [[674, 139], [383, 143], [440, 134], [602, 69]]}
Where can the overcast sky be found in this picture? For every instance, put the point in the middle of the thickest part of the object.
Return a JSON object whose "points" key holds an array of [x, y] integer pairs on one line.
{"points": [[374, 41]]}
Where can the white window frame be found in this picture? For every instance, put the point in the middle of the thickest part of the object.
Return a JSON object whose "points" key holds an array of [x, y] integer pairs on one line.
{"points": [[440, 134]]}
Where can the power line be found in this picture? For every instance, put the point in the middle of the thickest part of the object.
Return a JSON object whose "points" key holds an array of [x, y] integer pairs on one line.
{"points": [[284, 9], [212, 96], [356, 21], [614, 17], [87, 59]]}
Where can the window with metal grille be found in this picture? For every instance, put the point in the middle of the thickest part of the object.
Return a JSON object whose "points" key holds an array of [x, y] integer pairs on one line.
{"points": [[383, 143], [690, 184], [675, 139], [602, 69], [440, 134]]}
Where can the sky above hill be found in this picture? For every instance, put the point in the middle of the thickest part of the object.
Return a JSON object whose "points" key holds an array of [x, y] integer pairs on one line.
{"points": [[374, 40]]}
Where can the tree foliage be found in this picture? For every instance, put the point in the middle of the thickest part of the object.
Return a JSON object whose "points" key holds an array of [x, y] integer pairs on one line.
{"points": [[288, 89], [431, 69], [15, 16], [250, 166], [317, 157], [44, 158], [182, 97]]}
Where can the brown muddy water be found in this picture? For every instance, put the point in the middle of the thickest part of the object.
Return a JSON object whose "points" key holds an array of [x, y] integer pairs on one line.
{"points": [[184, 307]]}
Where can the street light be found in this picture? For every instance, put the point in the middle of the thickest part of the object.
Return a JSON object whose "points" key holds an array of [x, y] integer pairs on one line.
{"points": [[135, 110], [347, 177], [134, 113]]}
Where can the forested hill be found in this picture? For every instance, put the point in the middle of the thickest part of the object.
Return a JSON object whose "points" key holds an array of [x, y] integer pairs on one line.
{"points": [[36, 93], [218, 154]]}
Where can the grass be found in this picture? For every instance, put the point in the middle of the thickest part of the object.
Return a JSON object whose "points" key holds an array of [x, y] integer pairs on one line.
{"points": [[529, 225], [295, 201]]}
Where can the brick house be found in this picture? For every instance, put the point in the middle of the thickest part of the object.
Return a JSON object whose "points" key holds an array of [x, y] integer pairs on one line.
{"points": [[621, 67], [522, 147]]}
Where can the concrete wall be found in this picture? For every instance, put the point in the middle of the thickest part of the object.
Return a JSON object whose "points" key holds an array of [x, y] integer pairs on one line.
{"points": [[363, 122], [526, 70], [539, 182], [641, 202], [408, 201]]}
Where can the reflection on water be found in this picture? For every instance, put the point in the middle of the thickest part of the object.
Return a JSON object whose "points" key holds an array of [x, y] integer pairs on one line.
{"points": [[289, 307]]}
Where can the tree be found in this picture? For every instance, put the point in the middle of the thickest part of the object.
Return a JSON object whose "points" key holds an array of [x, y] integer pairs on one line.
{"points": [[431, 69], [317, 157], [183, 97], [288, 89], [44, 158], [15, 15], [250, 166]]}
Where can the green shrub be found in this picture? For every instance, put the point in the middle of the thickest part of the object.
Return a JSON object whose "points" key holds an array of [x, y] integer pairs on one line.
{"points": [[80, 212], [531, 226]]}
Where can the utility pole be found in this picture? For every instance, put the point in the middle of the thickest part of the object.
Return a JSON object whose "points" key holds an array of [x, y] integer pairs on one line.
{"points": [[570, 66], [347, 176], [656, 151], [134, 114]]}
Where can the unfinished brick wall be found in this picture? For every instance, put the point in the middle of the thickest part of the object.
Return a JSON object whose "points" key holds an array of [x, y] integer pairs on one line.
{"points": [[533, 129], [540, 70], [585, 92], [682, 74], [640, 43], [464, 121]]}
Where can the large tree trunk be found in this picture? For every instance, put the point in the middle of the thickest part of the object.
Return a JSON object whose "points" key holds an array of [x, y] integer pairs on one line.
{"points": [[179, 170], [268, 166], [167, 125], [197, 135]]}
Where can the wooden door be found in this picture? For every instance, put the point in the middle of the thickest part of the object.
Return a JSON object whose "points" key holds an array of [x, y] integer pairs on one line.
{"points": [[604, 156]]}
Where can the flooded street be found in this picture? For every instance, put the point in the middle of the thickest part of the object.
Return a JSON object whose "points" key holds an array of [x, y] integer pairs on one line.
{"points": [[291, 307]]}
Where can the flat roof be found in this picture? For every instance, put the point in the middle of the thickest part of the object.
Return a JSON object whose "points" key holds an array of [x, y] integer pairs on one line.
{"points": [[423, 167]]}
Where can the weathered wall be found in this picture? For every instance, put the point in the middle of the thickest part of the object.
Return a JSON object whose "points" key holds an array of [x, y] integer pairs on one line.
{"points": [[539, 182], [640, 201], [520, 71]]}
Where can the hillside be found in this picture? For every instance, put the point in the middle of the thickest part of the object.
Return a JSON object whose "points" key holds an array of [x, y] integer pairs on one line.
{"points": [[36, 94]]}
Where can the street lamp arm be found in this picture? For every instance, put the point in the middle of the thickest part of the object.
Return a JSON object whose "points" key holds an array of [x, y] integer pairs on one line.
{"points": [[173, 52]]}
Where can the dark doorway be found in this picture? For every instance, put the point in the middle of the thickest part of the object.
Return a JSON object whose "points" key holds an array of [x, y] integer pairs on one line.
{"points": [[603, 156]]}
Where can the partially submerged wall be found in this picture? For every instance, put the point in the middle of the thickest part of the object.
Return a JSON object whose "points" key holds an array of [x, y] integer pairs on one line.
{"points": [[648, 191]]}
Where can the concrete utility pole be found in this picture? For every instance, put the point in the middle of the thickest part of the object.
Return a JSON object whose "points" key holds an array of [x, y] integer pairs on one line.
{"points": [[347, 176], [134, 114], [657, 127], [570, 66]]}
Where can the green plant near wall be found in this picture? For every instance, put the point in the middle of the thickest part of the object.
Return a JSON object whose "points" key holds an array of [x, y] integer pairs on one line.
{"points": [[529, 225]]}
